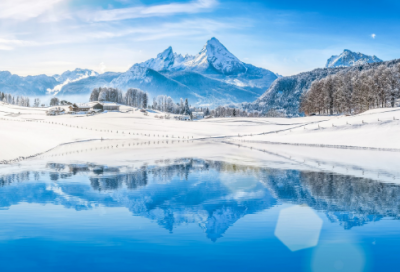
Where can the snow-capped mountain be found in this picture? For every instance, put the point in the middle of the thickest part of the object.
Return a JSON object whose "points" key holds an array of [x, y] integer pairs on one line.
{"points": [[349, 58], [41, 85], [75, 75], [212, 77], [215, 57], [166, 60], [216, 62], [27, 86], [69, 77]]}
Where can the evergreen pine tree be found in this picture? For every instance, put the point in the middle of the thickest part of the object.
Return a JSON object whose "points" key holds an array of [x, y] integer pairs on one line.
{"points": [[186, 110]]}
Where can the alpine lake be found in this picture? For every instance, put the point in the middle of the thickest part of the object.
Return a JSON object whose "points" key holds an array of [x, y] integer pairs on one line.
{"points": [[209, 206]]}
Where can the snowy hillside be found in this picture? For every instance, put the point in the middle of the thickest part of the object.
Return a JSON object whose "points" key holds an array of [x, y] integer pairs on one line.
{"points": [[75, 75], [87, 84], [284, 94], [349, 58], [69, 77]]}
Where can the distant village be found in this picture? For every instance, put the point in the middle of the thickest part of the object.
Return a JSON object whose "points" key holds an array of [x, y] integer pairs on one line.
{"points": [[96, 107], [104, 99]]}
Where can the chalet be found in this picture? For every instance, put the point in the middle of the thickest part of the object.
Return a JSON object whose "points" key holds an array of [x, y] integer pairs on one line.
{"points": [[109, 106], [79, 107], [94, 107]]}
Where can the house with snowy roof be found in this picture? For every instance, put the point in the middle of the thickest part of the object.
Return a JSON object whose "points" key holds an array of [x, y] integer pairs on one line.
{"points": [[94, 107]]}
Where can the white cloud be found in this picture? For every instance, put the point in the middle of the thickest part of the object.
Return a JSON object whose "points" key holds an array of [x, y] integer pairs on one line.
{"points": [[25, 9], [10, 44], [6, 47], [373, 36], [146, 11]]}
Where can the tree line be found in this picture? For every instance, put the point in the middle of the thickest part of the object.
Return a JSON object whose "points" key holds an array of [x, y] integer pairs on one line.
{"points": [[166, 104], [133, 97], [353, 91], [15, 100]]}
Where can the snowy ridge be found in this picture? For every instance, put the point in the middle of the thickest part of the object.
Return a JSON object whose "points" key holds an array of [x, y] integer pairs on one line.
{"points": [[75, 75], [349, 58], [284, 94], [69, 77], [166, 61], [215, 55], [213, 58]]}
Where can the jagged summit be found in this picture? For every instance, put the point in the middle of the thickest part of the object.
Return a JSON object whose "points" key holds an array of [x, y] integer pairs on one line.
{"points": [[163, 61], [349, 58], [214, 55], [213, 58]]}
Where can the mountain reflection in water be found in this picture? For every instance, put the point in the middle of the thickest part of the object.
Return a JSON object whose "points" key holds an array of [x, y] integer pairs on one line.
{"points": [[214, 195]]}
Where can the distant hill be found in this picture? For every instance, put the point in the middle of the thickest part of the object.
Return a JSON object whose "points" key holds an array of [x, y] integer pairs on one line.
{"points": [[349, 58], [42, 84], [284, 94]]}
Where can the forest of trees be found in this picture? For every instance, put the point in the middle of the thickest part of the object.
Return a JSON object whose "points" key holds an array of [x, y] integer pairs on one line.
{"points": [[166, 104], [107, 94], [133, 97], [353, 91], [18, 100]]}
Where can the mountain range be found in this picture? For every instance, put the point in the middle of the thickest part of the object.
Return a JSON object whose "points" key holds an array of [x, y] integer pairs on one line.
{"points": [[212, 77], [284, 94], [349, 58]]}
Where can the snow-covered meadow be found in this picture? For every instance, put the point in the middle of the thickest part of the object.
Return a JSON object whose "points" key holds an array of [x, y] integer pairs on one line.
{"points": [[29, 132]]}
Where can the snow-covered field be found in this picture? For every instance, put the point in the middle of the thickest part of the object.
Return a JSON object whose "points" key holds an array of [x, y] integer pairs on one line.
{"points": [[28, 131], [379, 129]]}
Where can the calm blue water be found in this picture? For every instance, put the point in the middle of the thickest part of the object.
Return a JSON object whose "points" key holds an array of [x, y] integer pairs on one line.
{"points": [[196, 215]]}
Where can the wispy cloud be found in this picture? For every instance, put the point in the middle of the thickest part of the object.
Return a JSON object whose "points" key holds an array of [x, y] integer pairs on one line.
{"points": [[25, 9], [373, 36], [81, 34], [149, 11]]}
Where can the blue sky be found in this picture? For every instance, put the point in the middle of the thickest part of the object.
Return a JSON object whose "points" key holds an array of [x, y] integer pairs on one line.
{"points": [[286, 37]]}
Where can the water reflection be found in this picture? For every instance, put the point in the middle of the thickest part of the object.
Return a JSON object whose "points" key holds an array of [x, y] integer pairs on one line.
{"points": [[214, 195]]}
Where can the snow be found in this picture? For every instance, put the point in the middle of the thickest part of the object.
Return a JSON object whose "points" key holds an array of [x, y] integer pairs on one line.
{"points": [[77, 75], [136, 72], [42, 136], [377, 129], [349, 58], [215, 54], [297, 143]]}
